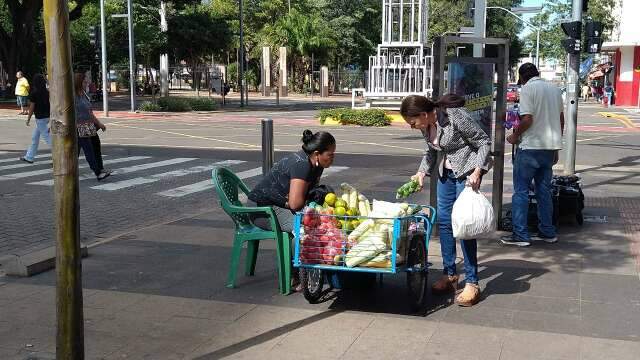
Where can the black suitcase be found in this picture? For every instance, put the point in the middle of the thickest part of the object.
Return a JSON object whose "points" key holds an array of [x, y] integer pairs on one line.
{"points": [[568, 201]]}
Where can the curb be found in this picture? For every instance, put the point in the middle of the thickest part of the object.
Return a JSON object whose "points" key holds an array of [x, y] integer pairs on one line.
{"points": [[34, 263]]}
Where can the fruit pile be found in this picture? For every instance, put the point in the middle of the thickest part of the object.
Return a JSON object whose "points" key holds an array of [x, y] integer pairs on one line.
{"points": [[348, 231], [325, 227]]}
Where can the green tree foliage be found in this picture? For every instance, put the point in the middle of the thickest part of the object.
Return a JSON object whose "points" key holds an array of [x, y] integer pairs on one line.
{"points": [[195, 33], [557, 11]]}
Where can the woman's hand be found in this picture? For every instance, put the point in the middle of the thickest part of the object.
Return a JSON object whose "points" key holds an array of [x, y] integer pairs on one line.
{"points": [[28, 121], [475, 179], [419, 177]]}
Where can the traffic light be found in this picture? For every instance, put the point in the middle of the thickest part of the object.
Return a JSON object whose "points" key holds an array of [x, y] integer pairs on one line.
{"points": [[593, 36], [574, 32], [94, 36]]}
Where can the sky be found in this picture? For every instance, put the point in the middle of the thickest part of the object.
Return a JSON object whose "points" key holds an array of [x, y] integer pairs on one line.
{"points": [[528, 17]]}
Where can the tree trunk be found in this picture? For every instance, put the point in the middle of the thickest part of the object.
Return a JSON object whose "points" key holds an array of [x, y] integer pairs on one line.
{"points": [[69, 315]]}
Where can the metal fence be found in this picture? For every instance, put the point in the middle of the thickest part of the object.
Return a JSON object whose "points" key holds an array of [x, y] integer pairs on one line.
{"points": [[341, 82]]}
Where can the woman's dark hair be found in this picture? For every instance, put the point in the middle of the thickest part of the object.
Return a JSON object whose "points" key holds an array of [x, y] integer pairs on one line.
{"points": [[39, 83], [451, 101], [320, 141], [78, 79], [413, 105]]}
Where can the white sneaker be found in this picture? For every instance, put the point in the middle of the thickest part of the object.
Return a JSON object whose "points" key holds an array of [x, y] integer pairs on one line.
{"points": [[549, 240]]}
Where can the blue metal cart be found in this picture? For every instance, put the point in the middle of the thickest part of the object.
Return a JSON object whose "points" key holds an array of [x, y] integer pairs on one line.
{"points": [[389, 246]]}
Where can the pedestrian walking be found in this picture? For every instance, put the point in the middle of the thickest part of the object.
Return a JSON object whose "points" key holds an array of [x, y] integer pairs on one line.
{"points": [[585, 92], [38, 107], [87, 126], [539, 139], [22, 92], [448, 127]]}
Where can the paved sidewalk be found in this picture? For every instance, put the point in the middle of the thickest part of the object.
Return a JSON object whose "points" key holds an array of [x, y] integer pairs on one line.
{"points": [[158, 293]]}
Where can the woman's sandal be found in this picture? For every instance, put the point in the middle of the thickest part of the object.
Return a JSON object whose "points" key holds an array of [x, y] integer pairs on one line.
{"points": [[103, 175], [469, 296]]}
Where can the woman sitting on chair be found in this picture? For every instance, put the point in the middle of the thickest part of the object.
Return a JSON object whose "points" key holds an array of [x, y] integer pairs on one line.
{"points": [[288, 184]]}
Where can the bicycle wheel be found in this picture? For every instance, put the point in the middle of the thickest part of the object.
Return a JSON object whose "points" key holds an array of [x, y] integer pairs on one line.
{"points": [[417, 272], [312, 281]]}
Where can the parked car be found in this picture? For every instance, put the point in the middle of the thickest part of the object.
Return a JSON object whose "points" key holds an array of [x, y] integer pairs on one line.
{"points": [[513, 93]]}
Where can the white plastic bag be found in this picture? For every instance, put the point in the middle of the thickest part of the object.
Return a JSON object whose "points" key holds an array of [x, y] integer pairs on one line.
{"points": [[472, 215]]}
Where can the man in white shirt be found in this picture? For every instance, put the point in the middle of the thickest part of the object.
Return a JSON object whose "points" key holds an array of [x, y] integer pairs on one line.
{"points": [[539, 138]]}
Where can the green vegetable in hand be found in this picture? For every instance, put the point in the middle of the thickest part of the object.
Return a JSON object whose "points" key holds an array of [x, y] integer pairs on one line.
{"points": [[407, 189]]}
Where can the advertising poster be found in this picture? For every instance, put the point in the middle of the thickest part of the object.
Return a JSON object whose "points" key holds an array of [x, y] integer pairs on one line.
{"points": [[475, 83]]}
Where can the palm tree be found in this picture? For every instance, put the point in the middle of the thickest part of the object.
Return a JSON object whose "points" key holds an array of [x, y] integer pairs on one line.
{"points": [[304, 35]]}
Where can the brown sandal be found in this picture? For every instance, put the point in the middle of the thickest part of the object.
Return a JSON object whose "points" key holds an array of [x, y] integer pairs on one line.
{"points": [[469, 296], [446, 284]]}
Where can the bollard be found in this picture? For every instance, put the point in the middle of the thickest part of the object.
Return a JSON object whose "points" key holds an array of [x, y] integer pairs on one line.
{"points": [[267, 145]]}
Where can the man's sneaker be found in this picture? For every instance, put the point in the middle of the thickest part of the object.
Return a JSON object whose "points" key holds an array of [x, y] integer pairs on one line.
{"points": [[549, 240], [26, 160], [510, 240]]}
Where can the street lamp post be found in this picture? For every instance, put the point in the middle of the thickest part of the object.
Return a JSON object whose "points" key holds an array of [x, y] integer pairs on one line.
{"points": [[132, 59], [241, 54], [103, 51], [536, 28]]}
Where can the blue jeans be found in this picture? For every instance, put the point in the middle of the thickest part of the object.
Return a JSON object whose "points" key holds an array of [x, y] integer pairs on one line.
{"points": [[533, 165], [40, 130], [449, 188], [86, 145]]}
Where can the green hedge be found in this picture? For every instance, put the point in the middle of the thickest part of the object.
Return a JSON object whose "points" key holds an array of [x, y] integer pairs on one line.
{"points": [[179, 104], [364, 117], [202, 104], [149, 106]]}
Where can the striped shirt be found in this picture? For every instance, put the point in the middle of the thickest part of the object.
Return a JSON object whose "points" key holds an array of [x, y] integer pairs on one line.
{"points": [[465, 145]]}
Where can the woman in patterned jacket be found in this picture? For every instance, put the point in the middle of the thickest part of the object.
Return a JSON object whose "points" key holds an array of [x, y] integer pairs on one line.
{"points": [[449, 129]]}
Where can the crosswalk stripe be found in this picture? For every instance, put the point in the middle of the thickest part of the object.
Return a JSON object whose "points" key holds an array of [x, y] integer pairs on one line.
{"points": [[207, 184], [18, 159], [157, 164], [23, 164], [48, 171], [157, 177]]}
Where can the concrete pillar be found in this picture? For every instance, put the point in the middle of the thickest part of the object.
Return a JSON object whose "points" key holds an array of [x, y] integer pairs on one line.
{"points": [[164, 75], [266, 71], [284, 89], [324, 81]]}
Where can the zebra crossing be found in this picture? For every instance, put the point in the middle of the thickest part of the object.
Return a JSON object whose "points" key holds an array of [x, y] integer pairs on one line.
{"points": [[134, 171]]}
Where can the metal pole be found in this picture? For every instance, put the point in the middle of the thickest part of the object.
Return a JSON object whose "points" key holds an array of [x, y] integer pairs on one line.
{"points": [[479, 23], [499, 134], [69, 313], [267, 145], [311, 77], [132, 59], [571, 113], [241, 60], [164, 58], [103, 50], [538, 49]]}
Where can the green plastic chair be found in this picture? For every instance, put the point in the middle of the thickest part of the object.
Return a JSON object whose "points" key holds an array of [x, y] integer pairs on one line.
{"points": [[227, 186]]}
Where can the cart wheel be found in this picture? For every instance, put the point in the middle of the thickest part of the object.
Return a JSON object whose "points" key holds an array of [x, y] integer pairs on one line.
{"points": [[580, 218], [417, 273], [312, 281]]}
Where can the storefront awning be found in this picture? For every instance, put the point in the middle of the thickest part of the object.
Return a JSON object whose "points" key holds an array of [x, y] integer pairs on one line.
{"points": [[614, 45]]}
